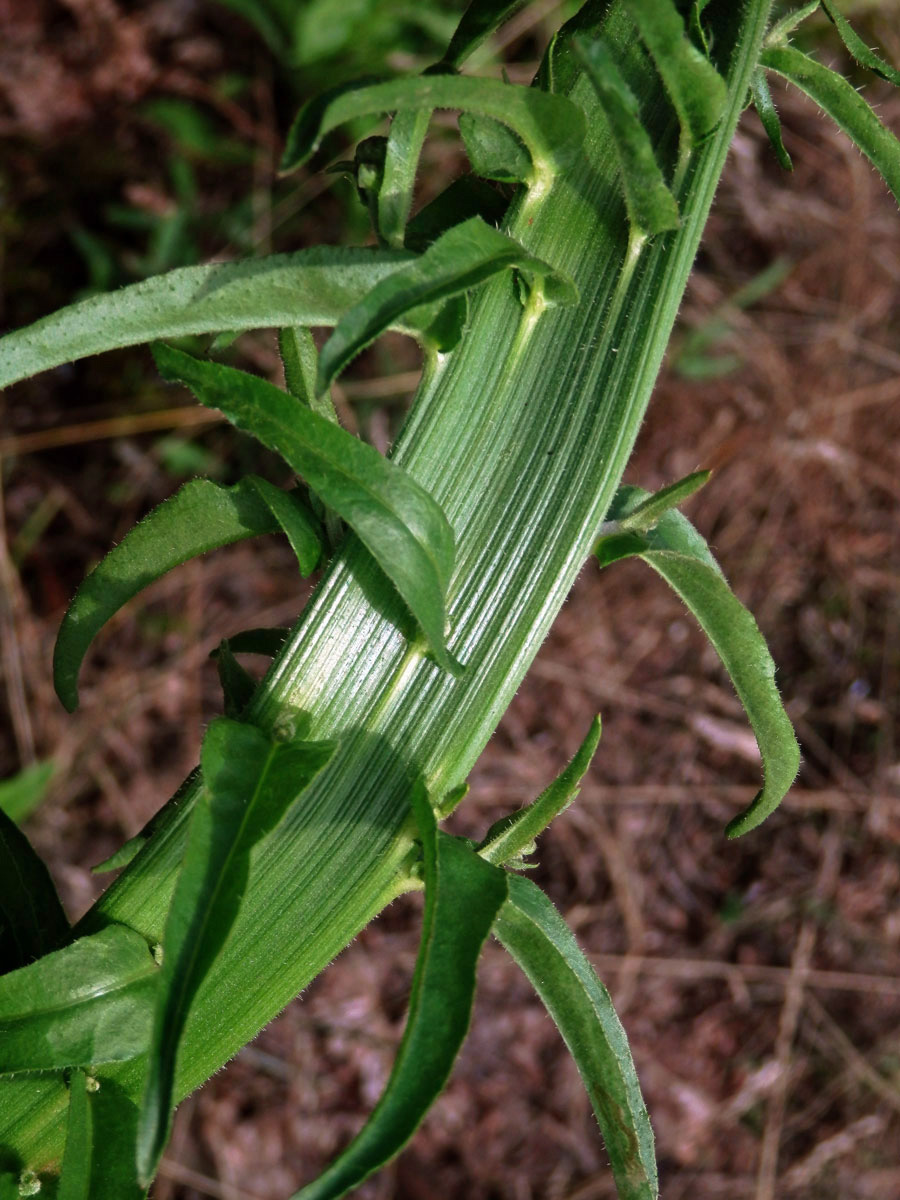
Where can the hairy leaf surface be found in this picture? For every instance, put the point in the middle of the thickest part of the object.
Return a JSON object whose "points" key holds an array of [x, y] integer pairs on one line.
{"points": [[514, 835], [768, 115], [864, 55], [400, 524], [311, 287], [91, 1002], [249, 782], [463, 894], [695, 87], [837, 97], [551, 127], [650, 204], [681, 556], [542, 944], [32, 921], [200, 517], [466, 255]]}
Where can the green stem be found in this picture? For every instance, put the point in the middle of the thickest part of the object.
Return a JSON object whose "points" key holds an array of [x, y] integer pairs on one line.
{"points": [[523, 440]]}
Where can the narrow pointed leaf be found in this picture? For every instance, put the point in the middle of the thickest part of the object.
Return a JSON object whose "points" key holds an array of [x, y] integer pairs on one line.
{"points": [[401, 161], [294, 520], [200, 517], [647, 513], [75, 1177], [551, 127], [544, 947], [651, 206], [680, 555], [249, 784], [91, 1002], [478, 22], [23, 792], [463, 894], [865, 56], [311, 287], [400, 524], [32, 921], [695, 87], [768, 115], [463, 257], [778, 34], [844, 105], [514, 835]]}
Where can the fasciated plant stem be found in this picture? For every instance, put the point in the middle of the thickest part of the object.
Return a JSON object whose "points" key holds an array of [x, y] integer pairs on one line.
{"points": [[522, 435]]}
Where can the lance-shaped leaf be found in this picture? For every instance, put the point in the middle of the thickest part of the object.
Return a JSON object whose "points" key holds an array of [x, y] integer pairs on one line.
{"points": [[249, 782], [201, 516], [651, 206], [865, 56], [311, 287], [544, 947], [32, 921], [75, 1177], [463, 257], [400, 524], [681, 556], [768, 115], [646, 514], [784, 26], [91, 1002], [478, 22], [514, 835], [696, 89], [401, 160], [835, 96], [551, 127], [23, 792], [463, 895]]}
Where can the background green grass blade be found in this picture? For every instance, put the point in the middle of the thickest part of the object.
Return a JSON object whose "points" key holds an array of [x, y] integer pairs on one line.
{"points": [[310, 287], [75, 1178], [768, 115], [9, 1187], [695, 87], [544, 947], [32, 920], [865, 56], [681, 556], [835, 96], [400, 524], [478, 22], [249, 783], [200, 517], [551, 127], [513, 835], [463, 894], [651, 206], [91, 1002], [23, 792], [466, 255]]}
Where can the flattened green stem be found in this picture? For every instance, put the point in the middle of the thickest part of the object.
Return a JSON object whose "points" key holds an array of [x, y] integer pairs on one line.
{"points": [[525, 457]]}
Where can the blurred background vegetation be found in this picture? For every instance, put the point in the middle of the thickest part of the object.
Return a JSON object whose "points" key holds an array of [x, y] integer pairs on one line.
{"points": [[759, 981]]}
